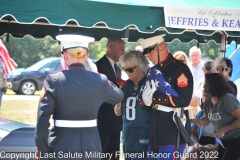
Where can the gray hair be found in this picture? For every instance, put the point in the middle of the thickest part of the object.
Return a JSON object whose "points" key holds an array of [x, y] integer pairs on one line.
{"points": [[113, 40], [137, 58], [194, 49], [221, 61]]}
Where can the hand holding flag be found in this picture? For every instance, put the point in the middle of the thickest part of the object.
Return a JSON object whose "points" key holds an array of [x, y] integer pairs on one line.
{"points": [[156, 76], [148, 92]]}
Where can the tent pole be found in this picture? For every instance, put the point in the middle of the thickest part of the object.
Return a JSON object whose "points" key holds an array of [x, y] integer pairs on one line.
{"points": [[223, 44], [127, 33], [198, 41], [8, 30]]}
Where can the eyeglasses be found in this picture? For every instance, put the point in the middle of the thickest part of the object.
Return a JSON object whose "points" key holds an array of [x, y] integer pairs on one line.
{"points": [[221, 69], [130, 70], [208, 68]]}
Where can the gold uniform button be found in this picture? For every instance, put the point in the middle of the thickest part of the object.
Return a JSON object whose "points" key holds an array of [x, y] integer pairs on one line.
{"points": [[164, 99], [154, 99], [159, 99]]}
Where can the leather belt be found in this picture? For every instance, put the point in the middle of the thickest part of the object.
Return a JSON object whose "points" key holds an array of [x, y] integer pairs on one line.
{"points": [[165, 108], [75, 124]]}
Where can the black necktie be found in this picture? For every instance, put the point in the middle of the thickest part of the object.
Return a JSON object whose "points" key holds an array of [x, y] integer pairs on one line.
{"points": [[117, 70]]}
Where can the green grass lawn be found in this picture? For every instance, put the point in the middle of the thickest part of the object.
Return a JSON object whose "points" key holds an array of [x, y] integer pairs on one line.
{"points": [[20, 110], [9, 91]]}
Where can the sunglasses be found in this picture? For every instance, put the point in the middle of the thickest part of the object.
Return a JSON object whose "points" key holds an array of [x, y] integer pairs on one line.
{"points": [[221, 69], [207, 68], [130, 70]]}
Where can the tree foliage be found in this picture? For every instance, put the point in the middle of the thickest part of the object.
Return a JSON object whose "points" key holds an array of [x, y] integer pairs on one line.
{"points": [[26, 51], [210, 50]]}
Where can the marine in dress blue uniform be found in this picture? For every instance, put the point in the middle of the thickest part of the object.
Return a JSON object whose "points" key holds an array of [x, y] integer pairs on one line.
{"points": [[164, 133], [72, 97]]}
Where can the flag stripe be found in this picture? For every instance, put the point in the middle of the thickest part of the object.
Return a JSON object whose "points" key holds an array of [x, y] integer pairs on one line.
{"points": [[64, 66], [8, 62], [171, 100]]}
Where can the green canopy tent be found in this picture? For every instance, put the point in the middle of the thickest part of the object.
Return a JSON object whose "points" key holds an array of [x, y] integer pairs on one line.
{"points": [[132, 19]]}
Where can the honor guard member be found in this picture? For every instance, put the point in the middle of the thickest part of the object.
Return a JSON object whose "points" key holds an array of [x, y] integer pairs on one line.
{"points": [[72, 97], [163, 131]]}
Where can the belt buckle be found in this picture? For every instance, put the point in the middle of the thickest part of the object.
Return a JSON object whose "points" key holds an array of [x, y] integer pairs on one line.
{"points": [[182, 119], [155, 107]]}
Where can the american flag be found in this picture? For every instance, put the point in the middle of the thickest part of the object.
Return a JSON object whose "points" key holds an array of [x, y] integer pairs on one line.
{"points": [[8, 62], [160, 81]]}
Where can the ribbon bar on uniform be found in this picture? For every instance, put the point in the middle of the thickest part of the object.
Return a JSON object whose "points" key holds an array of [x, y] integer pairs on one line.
{"points": [[75, 124]]}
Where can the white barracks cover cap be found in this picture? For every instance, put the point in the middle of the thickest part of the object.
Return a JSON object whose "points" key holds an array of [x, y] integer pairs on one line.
{"points": [[145, 43], [74, 41]]}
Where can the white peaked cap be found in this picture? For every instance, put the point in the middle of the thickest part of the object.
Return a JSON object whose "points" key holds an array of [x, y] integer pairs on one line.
{"points": [[71, 40], [145, 43]]}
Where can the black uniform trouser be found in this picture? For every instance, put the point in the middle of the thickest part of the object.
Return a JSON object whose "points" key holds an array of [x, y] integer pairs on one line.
{"points": [[231, 151], [110, 143]]}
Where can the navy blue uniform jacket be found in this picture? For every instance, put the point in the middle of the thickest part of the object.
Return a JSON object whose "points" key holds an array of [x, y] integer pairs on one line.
{"points": [[76, 95]]}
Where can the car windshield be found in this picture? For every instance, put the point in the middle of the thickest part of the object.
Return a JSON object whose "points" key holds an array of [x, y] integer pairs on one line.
{"points": [[38, 65]]}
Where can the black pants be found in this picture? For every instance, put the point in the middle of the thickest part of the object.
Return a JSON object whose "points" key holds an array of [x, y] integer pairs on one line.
{"points": [[110, 144], [204, 140], [231, 151]]}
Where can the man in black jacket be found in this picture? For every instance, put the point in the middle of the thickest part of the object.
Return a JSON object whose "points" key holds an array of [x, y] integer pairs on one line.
{"points": [[109, 125]]}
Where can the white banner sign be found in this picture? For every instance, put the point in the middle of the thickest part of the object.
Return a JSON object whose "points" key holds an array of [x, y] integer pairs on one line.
{"points": [[202, 18]]}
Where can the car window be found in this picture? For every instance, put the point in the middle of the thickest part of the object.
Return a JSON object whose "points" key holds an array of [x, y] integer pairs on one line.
{"points": [[39, 64], [51, 67]]}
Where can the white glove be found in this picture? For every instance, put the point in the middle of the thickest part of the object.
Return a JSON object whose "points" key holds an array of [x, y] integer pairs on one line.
{"points": [[148, 93]]}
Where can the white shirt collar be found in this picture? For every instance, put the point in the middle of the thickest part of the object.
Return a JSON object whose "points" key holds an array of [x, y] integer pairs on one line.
{"points": [[200, 64], [111, 62]]}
